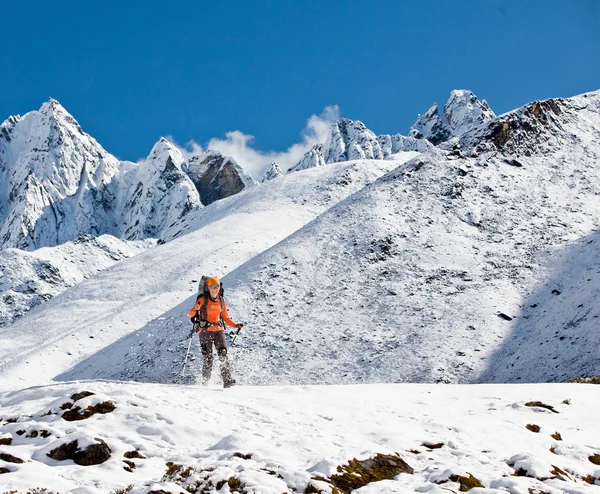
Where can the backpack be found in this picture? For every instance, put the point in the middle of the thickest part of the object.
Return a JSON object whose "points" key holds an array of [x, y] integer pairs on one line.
{"points": [[203, 292]]}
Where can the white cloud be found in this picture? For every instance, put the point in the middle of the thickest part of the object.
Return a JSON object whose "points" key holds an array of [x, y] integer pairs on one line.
{"points": [[239, 145]]}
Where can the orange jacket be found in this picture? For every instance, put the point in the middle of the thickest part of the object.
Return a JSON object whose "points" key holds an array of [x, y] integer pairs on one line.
{"points": [[213, 309]]}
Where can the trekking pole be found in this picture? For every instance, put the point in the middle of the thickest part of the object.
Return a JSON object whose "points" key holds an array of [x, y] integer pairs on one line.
{"points": [[187, 354], [235, 336]]}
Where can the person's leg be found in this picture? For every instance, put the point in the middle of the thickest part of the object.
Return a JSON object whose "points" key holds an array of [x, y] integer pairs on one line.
{"points": [[206, 344], [221, 346]]}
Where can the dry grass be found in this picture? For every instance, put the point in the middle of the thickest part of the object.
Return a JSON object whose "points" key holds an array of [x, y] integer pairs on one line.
{"points": [[466, 483]]}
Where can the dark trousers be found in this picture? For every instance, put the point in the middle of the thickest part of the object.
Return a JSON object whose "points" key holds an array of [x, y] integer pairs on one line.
{"points": [[207, 340]]}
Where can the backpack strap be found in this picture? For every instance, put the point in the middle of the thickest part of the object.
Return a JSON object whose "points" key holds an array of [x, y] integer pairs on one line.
{"points": [[204, 311]]}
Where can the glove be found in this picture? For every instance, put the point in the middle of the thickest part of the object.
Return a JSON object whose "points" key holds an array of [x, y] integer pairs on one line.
{"points": [[194, 319], [239, 325]]}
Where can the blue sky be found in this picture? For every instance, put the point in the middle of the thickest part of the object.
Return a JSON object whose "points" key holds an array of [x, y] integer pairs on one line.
{"points": [[131, 72]]}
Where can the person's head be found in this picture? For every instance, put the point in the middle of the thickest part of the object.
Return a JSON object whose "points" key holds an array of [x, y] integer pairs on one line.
{"points": [[213, 285]]}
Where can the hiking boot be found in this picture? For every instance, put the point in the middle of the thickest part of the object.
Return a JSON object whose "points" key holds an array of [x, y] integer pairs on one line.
{"points": [[228, 383]]}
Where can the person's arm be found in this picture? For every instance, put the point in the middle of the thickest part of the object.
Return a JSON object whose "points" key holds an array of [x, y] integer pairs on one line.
{"points": [[226, 317], [197, 306]]}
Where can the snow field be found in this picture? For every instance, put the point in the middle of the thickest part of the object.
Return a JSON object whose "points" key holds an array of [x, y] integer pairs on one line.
{"points": [[276, 439]]}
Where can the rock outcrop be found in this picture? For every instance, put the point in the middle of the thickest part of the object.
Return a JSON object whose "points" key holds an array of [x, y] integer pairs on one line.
{"points": [[216, 176]]}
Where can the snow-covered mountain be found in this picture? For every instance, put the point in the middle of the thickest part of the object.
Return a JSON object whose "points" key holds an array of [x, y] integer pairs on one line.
{"points": [[56, 182], [472, 261], [352, 140], [31, 278], [462, 112], [421, 276], [215, 239], [158, 193], [272, 172]]}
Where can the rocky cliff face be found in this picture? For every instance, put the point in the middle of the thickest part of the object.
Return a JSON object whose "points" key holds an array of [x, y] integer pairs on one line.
{"points": [[216, 176], [536, 128]]}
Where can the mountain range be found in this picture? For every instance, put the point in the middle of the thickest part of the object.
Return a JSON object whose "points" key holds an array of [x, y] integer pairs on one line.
{"points": [[424, 275], [418, 277]]}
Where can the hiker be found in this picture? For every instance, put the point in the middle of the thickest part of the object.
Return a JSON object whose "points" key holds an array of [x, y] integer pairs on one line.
{"points": [[209, 315]]}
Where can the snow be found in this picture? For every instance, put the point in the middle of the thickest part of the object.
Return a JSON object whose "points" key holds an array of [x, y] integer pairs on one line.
{"points": [[360, 283], [31, 278], [129, 295], [276, 439], [57, 182]]}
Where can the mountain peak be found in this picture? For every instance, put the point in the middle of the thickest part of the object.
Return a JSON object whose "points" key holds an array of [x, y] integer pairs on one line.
{"points": [[273, 172], [165, 152], [462, 112]]}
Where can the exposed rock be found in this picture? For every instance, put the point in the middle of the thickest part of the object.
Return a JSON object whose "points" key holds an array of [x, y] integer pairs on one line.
{"points": [[359, 473], [431, 127], [94, 454], [466, 483], [10, 458], [80, 395], [586, 380], [539, 404], [78, 414], [134, 454], [531, 129], [216, 176]]}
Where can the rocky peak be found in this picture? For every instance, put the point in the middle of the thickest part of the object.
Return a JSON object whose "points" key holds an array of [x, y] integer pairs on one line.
{"points": [[49, 168], [462, 112], [430, 126], [350, 140], [158, 180], [312, 158], [165, 155], [272, 172], [216, 176]]}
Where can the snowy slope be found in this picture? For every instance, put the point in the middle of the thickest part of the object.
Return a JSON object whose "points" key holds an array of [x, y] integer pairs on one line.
{"points": [[421, 276], [556, 337], [112, 304], [274, 440], [31, 278]]}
